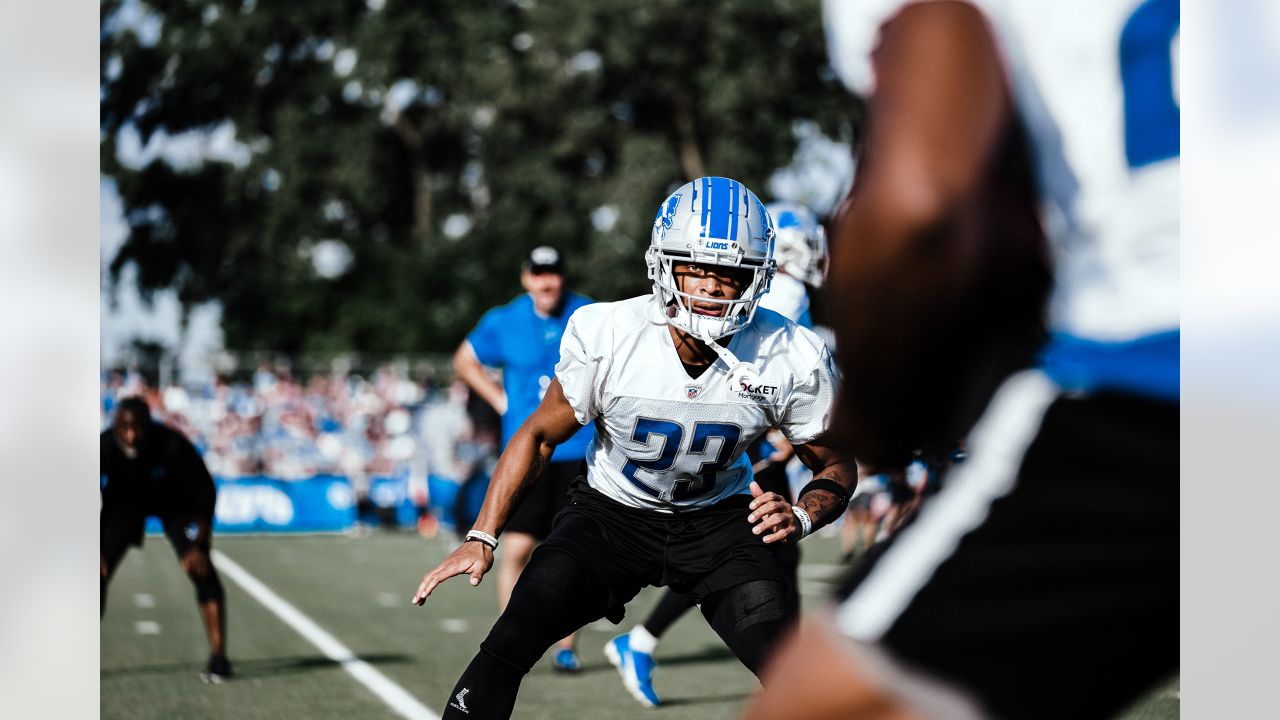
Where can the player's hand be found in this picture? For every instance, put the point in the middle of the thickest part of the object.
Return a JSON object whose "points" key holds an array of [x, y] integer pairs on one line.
{"points": [[772, 515], [196, 562], [474, 558]]}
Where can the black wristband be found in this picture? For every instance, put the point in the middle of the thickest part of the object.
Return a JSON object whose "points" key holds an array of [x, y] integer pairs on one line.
{"points": [[830, 486]]}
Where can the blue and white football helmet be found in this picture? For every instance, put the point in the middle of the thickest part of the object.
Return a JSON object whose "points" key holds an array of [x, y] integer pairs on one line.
{"points": [[802, 243], [713, 221]]}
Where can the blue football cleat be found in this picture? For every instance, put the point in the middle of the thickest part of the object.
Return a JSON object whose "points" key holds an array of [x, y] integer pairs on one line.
{"points": [[636, 669], [566, 661]]}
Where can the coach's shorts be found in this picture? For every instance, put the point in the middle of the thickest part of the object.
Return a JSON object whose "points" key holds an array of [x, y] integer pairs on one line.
{"points": [[696, 553], [120, 528], [1044, 577], [549, 496]]}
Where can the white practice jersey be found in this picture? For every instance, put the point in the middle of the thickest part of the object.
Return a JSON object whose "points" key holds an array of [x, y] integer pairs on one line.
{"points": [[664, 441], [1095, 83]]}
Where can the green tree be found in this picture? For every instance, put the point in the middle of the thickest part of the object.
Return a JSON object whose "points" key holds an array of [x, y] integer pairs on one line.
{"points": [[437, 143]]}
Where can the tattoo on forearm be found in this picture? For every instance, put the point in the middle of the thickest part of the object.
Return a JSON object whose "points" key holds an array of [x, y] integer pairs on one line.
{"points": [[526, 483], [822, 505]]}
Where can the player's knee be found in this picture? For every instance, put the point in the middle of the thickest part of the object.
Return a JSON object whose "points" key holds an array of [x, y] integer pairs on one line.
{"points": [[551, 599], [208, 587], [751, 618], [755, 602], [525, 630]]}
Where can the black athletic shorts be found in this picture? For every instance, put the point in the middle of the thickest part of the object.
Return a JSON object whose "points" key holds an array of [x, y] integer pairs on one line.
{"points": [[549, 496], [1043, 578], [696, 553], [120, 528]]}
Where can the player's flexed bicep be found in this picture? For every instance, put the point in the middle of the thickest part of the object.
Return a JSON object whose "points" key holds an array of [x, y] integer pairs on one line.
{"points": [[526, 456]]}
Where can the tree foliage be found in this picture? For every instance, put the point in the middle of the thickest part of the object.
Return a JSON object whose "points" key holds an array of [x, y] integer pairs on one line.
{"points": [[438, 142]]}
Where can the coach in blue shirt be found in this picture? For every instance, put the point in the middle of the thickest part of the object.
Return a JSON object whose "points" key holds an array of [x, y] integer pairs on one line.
{"points": [[523, 338]]}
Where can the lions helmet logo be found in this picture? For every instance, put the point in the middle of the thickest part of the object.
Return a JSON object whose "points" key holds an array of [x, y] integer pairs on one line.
{"points": [[667, 211]]}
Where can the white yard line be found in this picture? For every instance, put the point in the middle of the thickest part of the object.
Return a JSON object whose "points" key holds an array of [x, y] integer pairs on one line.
{"points": [[395, 696], [147, 627], [454, 625]]}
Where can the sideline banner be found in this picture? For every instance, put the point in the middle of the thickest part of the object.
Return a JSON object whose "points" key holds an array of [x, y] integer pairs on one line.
{"points": [[325, 503]]}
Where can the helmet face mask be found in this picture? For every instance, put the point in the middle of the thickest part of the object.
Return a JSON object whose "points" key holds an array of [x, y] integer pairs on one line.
{"points": [[711, 221], [802, 243]]}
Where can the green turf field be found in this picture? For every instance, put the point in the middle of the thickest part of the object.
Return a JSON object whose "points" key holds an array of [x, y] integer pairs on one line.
{"points": [[357, 589]]}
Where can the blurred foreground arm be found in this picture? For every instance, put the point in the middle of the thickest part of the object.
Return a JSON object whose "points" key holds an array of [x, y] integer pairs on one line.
{"points": [[526, 456], [935, 122], [817, 676], [907, 250]]}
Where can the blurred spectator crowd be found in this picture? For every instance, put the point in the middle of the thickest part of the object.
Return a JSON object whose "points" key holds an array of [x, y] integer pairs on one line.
{"points": [[273, 424]]}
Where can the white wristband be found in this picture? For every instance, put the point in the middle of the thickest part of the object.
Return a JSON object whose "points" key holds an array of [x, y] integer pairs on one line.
{"points": [[484, 537], [806, 522]]}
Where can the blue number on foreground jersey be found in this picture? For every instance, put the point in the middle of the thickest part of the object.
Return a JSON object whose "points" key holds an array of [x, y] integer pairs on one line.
{"points": [[1151, 113], [670, 436]]}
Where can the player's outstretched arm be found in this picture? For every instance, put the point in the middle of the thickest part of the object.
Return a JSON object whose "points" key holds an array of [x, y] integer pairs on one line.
{"points": [[824, 499], [526, 456]]}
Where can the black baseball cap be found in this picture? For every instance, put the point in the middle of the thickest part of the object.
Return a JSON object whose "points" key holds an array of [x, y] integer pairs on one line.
{"points": [[544, 259]]}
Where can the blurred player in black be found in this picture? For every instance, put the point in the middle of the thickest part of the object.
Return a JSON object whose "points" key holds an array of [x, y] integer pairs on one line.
{"points": [[149, 469]]}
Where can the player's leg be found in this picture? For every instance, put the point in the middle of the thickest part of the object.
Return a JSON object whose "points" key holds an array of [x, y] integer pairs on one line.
{"points": [[751, 618], [517, 548], [670, 608], [560, 478], [632, 653], [210, 596], [528, 526], [554, 596], [116, 532]]}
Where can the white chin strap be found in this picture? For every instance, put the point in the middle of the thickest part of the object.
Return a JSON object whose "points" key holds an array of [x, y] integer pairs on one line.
{"points": [[739, 372]]}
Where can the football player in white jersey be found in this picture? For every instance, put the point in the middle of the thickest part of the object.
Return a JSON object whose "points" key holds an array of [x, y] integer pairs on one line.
{"points": [[1042, 581], [801, 255], [678, 384], [802, 261]]}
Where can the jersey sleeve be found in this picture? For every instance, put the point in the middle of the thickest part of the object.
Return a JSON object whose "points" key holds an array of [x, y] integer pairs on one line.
{"points": [[486, 338], [582, 366], [812, 401]]}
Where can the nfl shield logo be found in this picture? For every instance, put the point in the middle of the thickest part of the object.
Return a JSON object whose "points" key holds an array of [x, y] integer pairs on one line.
{"points": [[692, 391]]}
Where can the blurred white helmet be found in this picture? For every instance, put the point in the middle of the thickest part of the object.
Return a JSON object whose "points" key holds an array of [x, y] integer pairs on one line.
{"points": [[712, 221], [802, 243]]}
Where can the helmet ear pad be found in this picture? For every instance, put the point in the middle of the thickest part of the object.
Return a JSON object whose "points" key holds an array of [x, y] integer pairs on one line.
{"points": [[711, 221]]}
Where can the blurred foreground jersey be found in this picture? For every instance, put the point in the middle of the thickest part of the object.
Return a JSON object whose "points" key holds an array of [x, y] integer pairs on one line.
{"points": [[1095, 83], [527, 347]]}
